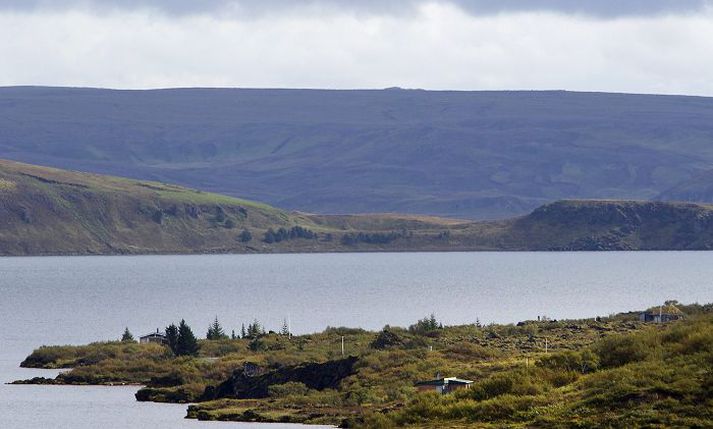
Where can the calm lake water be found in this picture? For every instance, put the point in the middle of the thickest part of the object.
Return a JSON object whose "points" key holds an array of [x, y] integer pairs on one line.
{"points": [[74, 300]]}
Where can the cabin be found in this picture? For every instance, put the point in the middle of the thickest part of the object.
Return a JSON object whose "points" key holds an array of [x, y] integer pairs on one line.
{"points": [[154, 337], [662, 314], [443, 385]]}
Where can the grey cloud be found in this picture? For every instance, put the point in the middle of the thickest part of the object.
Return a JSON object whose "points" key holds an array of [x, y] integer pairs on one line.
{"points": [[247, 8]]}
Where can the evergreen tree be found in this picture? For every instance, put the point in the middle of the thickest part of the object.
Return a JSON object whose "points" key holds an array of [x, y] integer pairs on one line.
{"points": [[432, 323], [285, 328], [215, 331], [172, 338], [232, 335], [187, 345], [269, 236], [127, 337], [255, 329], [243, 334], [245, 236]]}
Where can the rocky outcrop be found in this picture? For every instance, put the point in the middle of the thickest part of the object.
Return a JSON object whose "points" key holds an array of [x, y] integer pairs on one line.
{"points": [[386, 339], [318, 376], [616, 225], [38, 380]]}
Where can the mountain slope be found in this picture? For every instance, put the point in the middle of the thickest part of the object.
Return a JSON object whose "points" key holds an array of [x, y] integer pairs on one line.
{"points": [[460, 154], [698, 188], [49, 211]]}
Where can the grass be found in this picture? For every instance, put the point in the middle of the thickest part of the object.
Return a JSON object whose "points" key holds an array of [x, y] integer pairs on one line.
{"points": [[597, 373], [50, 211], [7, 185]]}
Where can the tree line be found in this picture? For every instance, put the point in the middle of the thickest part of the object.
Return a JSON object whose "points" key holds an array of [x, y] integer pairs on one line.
{"points": [[183, 342], [351, 239], [282, 234]]}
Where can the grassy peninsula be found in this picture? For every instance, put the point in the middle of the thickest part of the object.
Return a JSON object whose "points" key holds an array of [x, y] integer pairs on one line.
{"points": [[614, 371], [46, 211]]}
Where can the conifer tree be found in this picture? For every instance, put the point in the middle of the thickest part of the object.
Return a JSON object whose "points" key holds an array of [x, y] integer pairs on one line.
{"points": [[187, 345], [127, 337], [215, 331], [243, 334], [255, 329], [232, 335], [285, 328], [172, 338]]}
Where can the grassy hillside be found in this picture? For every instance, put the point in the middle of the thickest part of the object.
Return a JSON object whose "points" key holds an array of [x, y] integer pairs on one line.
{"points": [[607, 372], [473, 155], [48, 211]]}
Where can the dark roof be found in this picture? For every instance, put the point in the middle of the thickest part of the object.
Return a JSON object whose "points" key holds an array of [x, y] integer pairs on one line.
{"points": [[443, 381], [154, 334]]}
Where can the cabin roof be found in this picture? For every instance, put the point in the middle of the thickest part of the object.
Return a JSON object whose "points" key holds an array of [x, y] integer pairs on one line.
{"points": [[665, 309], [154, 335], [443, 381]]}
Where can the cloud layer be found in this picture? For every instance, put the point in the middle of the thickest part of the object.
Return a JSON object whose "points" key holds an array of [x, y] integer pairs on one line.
{"points": [[651, 46], [599, 8]]}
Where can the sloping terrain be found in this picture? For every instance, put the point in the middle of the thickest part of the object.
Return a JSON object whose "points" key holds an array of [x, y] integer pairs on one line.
{"points": [[473, 155], [49, 211], [698, 188], [606, 372]]}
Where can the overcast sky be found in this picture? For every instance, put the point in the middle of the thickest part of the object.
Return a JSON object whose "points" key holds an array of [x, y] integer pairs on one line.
{"points": [[643, 46]]}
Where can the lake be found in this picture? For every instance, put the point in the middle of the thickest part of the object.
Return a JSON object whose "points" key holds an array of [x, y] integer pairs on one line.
{"points": [[75, 300]]}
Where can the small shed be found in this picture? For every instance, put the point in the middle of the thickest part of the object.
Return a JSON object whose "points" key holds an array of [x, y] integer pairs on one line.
{"points": [[154, 337], [662, 314], [443, 385]]}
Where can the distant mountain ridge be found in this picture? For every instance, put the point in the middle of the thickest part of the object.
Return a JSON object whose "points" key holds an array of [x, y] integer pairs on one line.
{"points": [[476, 155], [47, 211]]}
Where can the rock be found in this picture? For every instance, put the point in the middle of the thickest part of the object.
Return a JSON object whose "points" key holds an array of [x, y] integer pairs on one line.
{"points": [[317, 376], [386, 339], [37, 380]]}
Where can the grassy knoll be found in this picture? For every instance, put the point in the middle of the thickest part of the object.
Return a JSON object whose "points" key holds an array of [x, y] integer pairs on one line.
{"points": [[610, 372]]}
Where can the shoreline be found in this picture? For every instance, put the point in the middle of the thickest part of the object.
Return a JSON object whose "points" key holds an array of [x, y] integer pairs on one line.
{"points": [[284, 388]]}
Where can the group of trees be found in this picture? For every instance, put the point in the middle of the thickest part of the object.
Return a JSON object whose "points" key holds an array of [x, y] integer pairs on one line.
{"points": [[427, 324], [251, 331], [282, 234], [351, 239], [181, 340]]}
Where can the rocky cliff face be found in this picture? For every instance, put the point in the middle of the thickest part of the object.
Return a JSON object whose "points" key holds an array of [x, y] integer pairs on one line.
{"points": [[317, 376], [619, 225]]}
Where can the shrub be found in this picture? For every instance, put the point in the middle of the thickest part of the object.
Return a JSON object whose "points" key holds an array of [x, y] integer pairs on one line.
{"points": [[583, 362], [620, 350], [245, 236], [287, 389], [469, 352]]}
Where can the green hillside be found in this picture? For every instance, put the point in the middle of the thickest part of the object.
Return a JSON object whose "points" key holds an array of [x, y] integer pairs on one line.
{"points": [[608, 372], [46, 211]]}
